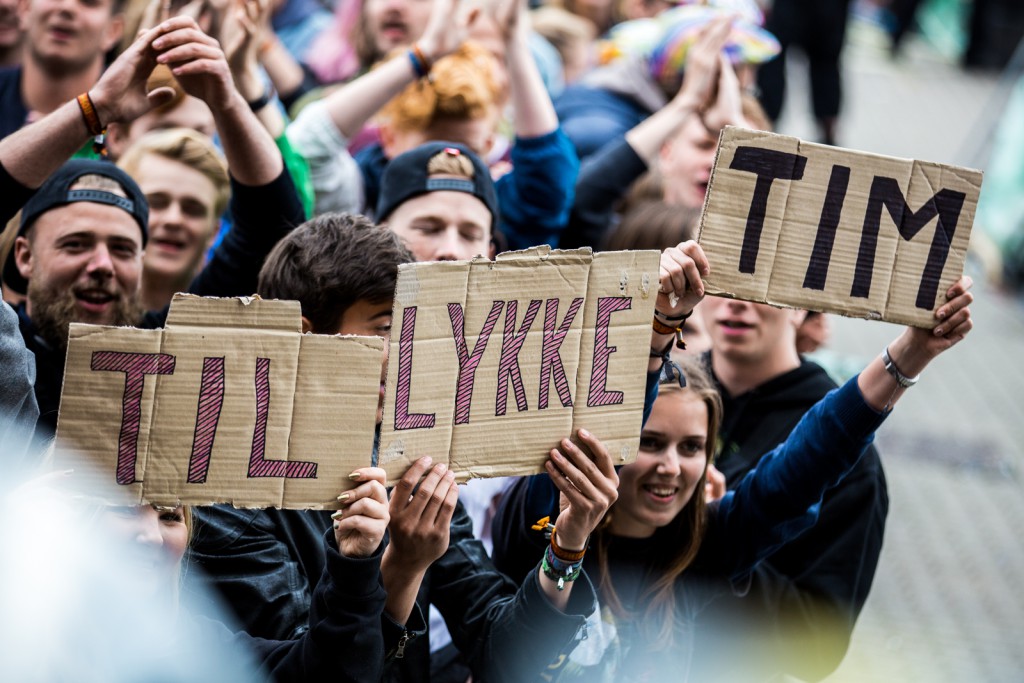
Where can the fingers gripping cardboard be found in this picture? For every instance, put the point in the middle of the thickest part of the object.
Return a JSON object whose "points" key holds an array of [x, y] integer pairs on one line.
{"points": [[229, 403], [493, 362], [794, 223]]}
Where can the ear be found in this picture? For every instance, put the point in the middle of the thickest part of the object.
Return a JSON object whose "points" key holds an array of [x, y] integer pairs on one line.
{"points": [[492, 249], [115, 29], [306, 325], [799, 315], [23, 256]]}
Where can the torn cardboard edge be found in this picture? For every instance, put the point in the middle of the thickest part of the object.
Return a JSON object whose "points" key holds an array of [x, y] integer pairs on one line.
{"points": [[803, 225], [228, 403], [433, 418]]}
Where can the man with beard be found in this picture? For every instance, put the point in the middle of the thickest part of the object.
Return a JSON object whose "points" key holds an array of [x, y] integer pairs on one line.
{"points": [[64, 46], [78, 253]]}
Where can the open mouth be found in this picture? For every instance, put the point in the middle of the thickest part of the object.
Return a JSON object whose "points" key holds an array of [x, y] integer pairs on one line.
{"points": [[394, 30], [168, 244], [660, 492], [61, 33], [94, 300], [734, 327]]}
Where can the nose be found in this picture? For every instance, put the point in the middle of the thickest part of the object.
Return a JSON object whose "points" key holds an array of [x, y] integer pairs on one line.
{"points": [[171, 214], [147, 528], [668, 464], [100, 263], [447, 245]]}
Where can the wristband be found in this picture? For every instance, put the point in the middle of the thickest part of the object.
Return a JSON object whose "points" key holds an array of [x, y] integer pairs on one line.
{"points": [[558, 571], [419, 64], [565, 555], [662, 328], [263, 100], [890, 367], [673, 319], [92, 119]]}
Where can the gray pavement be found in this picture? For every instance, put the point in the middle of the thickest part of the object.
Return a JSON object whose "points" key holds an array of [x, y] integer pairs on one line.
{"points": [[946, 604]]}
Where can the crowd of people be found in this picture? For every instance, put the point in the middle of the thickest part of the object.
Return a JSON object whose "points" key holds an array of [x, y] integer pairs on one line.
{"points": [[305, 152]]}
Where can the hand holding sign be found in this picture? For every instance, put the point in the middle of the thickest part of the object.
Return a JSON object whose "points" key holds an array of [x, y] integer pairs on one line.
{"points": [[917, 347], [679, 279], [360, 523], [588, 485]]}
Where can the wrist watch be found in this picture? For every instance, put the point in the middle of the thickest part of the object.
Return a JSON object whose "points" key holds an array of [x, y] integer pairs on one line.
{"points": [[890, 367]]}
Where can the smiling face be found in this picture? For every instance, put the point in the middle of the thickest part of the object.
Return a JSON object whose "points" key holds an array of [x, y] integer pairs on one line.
{"points": [[82, 262], [67, 36], [686, 161], [181, 217], [443, 226], [668, 469]]}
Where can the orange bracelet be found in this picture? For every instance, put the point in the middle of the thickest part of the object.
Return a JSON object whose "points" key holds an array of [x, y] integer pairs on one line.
{"points": [[662, 328], [92, 119], [565, 555]]}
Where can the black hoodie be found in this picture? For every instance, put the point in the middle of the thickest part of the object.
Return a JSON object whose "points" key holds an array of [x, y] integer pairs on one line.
{"points": [[803, 601]]}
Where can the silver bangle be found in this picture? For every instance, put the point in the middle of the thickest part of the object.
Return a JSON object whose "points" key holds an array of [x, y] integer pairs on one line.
{"points": [[890, 367]]}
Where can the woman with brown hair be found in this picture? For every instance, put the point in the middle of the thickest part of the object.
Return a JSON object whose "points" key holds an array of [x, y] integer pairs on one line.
{"points": [[662, 554]]}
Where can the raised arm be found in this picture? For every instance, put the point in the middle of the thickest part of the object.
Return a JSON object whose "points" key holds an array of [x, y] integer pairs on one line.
{"points": [[605, 177], [198, 63], [911, 352], [31, 154]]}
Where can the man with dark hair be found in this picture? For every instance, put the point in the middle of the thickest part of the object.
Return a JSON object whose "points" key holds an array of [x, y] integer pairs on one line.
{"points": [[441, 196], [334, 264], [265, 564], [800, 610], [64, 48], [78, 253]]}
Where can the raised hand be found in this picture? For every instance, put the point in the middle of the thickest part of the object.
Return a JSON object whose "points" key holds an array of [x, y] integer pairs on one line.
{"points": [[588, 486], [447, 28], [422, 504], [703, 65], [727, 109], [362, 518], [916, 347], [198, 63], [680, 287]]}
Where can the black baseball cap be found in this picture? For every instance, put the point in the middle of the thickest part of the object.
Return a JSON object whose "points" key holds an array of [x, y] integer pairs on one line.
{"points": [[406, 177], [57, 192]]}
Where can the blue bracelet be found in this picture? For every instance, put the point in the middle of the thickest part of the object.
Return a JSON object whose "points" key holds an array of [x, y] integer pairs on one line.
{"points": [[417, 65]]}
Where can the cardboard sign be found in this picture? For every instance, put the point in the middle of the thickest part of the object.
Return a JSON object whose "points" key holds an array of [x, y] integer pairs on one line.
{"points": [[492, 363], [229, 403], [793, 223]]}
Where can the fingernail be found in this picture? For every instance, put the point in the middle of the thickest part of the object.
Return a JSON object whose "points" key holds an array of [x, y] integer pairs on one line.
{"points": [[941, 313], [355, 476], [450, 476], [338, 515], [584, 433], [343, 497], [426, 460], [441, 468], [938, 332]]}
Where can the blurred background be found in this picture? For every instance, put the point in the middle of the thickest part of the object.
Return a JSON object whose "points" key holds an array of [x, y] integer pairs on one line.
{"points": [[947, 603]]}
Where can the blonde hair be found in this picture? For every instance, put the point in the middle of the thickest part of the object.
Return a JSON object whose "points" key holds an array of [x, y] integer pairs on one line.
{"points": [[187, 147], [461, 86], [444, 163], [562, 28]]}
